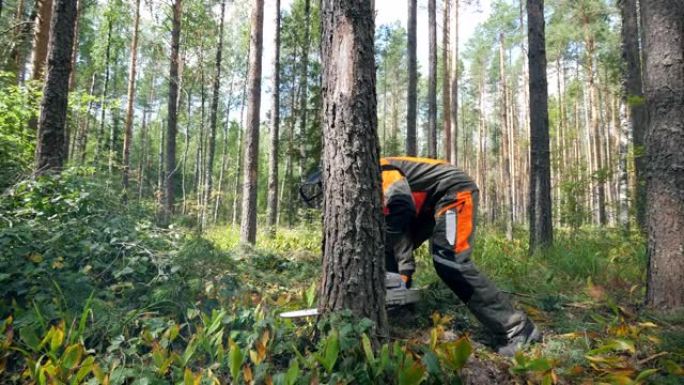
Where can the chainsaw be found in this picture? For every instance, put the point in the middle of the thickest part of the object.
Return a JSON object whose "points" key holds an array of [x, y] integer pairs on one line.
{"points": [[397, 294]]}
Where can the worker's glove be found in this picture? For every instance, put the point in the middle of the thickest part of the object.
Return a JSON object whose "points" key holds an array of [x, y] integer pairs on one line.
{"points": [[406, 279]]}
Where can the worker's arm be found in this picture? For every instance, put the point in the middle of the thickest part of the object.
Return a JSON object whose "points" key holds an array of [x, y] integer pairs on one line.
{"points": [[400, 212]]}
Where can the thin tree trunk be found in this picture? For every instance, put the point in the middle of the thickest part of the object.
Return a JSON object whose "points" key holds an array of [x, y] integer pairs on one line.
{"points": [[143, 154], [507, 184], [51, 151], [224, 152], [128, 130], [22, 31], [172, 119], [82, 140], [303, 89], [353, 263], [633, 100], [239, 144], [272, 200], [595, 122], [74, 52], [186, 147], [41, 39], [199, 159], [249, 187], [214, 118], [446, 78], [71, 136], [160, 172], [541, 225], [663, 24], [103, 97], [454, 85], [412, 81], [432, 80]]}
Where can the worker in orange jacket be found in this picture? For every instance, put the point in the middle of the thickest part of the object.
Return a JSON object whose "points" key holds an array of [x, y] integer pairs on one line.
{"points": [[427, 198], [431, 199]]}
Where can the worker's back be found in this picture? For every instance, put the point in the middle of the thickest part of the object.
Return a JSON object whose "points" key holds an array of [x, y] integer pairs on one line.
{"points": [[430, 179]]}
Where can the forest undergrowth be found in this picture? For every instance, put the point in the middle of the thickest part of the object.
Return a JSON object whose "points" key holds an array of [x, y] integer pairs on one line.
{"points": [[95, 293]]}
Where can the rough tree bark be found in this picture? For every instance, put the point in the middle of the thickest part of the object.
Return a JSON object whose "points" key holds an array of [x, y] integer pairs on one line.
{"points": [[128, 129], [51, 146], [432, 80], [211, 150], [663, 23], [272, 200], [412, 80], [172, 118], [540, 214], [249, 186], [353, 254]]}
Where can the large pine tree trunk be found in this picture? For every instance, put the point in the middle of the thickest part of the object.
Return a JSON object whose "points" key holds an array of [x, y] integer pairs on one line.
{"points": [[541, 227], [128, 129], [432, 80], [632, 95], [272, 200], [211, 148], [353, 257], [412, 80], [249, 186], [51, 148], [663, 23], [172, 118]]}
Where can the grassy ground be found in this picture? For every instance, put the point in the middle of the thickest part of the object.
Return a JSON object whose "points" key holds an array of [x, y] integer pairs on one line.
{"points": [[93, 292], [585, 293]]}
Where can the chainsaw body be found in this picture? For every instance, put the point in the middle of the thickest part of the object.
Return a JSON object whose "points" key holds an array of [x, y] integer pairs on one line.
{"points": [[397, 294]]}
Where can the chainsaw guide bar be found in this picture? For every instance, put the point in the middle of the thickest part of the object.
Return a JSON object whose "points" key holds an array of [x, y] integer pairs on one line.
{"points": [[397, 295]]}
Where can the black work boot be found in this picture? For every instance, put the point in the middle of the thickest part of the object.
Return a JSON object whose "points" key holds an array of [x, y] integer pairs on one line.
{"points": [[528, 335]]}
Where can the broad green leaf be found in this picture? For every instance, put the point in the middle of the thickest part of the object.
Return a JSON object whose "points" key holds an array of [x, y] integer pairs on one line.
{"points": [[644, 375], [292, 372], [56, 339], [72, 356], [431, 362], [235, 358], [462, 351], [331, 351], [367, 349], [411, 372], [85, 368]]}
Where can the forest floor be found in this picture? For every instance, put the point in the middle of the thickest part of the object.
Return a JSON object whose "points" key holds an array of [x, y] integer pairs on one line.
{"points": [[93, 292], [586, 294]]}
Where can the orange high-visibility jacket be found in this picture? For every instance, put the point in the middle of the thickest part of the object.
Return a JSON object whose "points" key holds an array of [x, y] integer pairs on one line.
{"points": [[412, 188]]}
